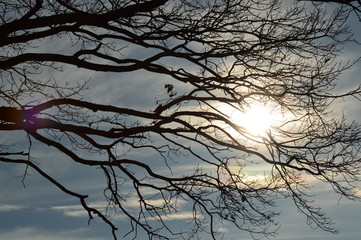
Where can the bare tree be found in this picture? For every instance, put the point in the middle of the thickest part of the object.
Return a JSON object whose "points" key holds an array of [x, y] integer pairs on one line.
{"points": [[354, 6], [217, 55]]}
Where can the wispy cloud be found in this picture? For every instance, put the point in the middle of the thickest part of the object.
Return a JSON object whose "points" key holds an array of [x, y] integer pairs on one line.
{"points": [[78, 210], [71, 211], [178, 216], [134, 202], [37, 234], [9, 207]]}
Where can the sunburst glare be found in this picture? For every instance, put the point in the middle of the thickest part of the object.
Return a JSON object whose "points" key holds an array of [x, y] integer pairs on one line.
{"points": [[256, 118]]}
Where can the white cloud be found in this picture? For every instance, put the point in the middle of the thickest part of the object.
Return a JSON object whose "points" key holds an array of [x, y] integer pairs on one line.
{"points": [[37, 234], [9, 207], [78, 210], [71, 211], [179, 216]]}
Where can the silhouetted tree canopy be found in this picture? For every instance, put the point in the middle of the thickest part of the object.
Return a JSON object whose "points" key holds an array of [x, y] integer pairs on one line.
{"points": [[354, 6], [212, 59]]}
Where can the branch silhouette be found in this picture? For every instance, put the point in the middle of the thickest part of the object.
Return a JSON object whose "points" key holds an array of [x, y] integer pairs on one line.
{"points": [[182, 152]]}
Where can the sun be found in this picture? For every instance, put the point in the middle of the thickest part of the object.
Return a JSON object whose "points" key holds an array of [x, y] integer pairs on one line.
{"points": [[256, 119]]}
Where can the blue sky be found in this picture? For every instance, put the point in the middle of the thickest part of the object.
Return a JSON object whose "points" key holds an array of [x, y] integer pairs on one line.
{"points": [[41, 211]]}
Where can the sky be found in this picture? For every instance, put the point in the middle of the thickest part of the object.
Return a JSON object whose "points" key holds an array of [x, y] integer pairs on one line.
{"points": [[36, 210]]}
